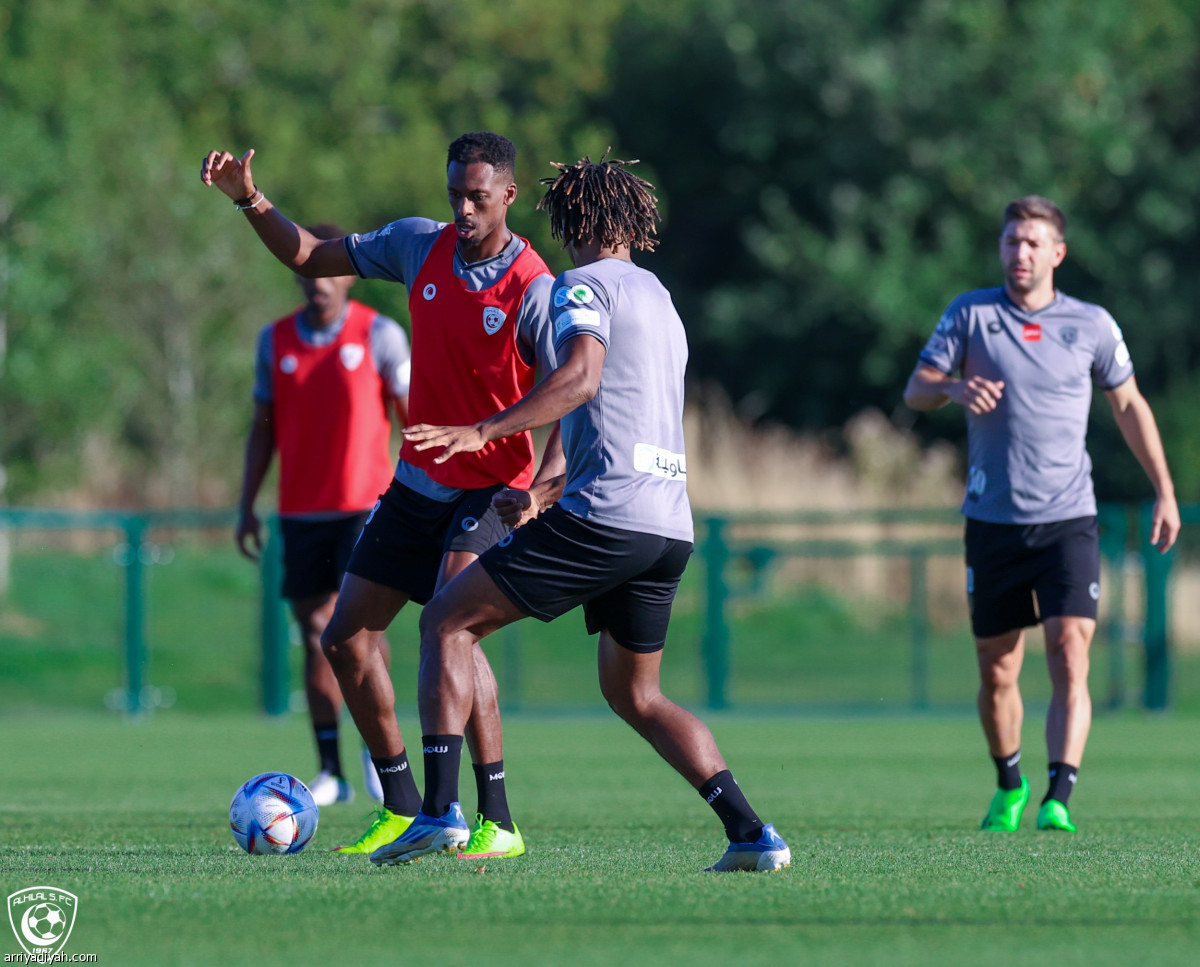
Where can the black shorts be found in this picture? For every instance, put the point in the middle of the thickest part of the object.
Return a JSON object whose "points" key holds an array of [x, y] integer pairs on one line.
{"points": [[625, 580], [407, 534], [1021, 574], [315, 553]]}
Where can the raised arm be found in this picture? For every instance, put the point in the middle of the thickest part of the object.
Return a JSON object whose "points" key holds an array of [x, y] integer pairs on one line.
{"points": [[300, 251], [1136, 422]]}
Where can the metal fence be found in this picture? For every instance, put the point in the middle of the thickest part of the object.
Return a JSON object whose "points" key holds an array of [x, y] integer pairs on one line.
{"points": [[738, 554]]}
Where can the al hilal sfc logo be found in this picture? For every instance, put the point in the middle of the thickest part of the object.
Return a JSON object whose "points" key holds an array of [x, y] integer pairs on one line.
{"points": [[42, 918]]}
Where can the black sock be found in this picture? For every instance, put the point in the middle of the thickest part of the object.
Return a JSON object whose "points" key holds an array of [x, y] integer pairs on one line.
{"points": [[1008, 770], [493, 800], [327, 748], [400, 793], [443, 753], [741, 823], [1062, 782]]}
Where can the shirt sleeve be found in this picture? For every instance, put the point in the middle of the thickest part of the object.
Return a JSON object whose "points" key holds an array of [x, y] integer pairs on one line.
{"points": [[535, 333], [394, 252], [390, 352], [1112, 365], [580, 307], [263, 363], [946, 349]]}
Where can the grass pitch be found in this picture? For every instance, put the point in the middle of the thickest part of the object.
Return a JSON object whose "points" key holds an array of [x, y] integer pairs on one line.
{"points": [[888, 865]]}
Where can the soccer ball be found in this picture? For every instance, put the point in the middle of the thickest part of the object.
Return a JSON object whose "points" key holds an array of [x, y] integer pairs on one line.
{"points": [[273, 813], [47, 922]]}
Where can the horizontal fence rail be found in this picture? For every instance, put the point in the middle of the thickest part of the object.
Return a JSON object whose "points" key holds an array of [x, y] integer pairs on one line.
{"points": [[737, 552]]}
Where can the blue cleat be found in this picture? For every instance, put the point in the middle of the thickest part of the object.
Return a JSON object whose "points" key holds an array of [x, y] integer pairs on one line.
{"points": [[447, 833], [769, 852]]}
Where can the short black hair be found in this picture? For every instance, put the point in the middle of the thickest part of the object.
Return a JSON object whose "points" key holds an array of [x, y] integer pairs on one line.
{"points": [[484, 147], [601, 201]]}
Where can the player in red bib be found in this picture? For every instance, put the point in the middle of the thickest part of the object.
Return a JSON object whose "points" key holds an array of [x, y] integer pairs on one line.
{"points": [[480, 300], [326, 376]]}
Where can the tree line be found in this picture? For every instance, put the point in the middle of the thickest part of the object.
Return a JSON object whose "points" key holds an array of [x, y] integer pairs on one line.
{"points": [[831, 176]]}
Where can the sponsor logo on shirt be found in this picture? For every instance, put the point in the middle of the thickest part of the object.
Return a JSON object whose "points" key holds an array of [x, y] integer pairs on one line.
{"points": [[660, 462], [351, 355], [1031, 332], [1121, 354], [573, 318], [994, 327], [1094, 591], [579, 294], [469, 523], [429, 292], [493, 319], [289, 364]]}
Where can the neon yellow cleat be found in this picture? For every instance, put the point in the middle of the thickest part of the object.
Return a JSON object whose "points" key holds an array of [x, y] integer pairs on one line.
{"points": [[1054, 815], [386, 827], [489, 841], [1004, 814]]}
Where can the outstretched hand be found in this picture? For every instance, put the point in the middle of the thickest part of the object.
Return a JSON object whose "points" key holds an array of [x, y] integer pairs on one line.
{"points": [[456, 439], [228, 173]]}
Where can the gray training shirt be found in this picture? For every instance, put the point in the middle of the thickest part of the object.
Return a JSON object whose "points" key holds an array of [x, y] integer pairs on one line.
{"points": [[1027, 463], [626, 466], [397, 251]]}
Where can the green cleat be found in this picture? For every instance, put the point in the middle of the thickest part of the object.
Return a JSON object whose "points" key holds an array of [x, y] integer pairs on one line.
{"points": [[1004, 814], [489, 841], [1054, 815], [386, 827]]}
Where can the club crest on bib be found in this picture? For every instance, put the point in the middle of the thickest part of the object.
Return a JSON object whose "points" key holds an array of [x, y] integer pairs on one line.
{"points": [[351, 355], [493, 319], [289, 364]]}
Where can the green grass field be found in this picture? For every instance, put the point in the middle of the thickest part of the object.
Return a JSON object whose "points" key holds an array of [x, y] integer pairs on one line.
{"points": [[881, 815]]}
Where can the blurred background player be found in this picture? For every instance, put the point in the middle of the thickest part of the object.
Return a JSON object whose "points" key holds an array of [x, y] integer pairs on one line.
{"points": [[479, 298], [1028, 357], [326, 377], [620, 534]]}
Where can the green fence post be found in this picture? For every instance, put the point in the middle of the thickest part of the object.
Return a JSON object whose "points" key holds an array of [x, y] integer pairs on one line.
{"points": [[919, 610], [135, 615], [1156, 634], [716, 627], [276, 680]]}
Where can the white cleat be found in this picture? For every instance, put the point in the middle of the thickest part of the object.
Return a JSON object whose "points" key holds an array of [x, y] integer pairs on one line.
{"points": [[766, 854], [371, 777], [327, 789]]}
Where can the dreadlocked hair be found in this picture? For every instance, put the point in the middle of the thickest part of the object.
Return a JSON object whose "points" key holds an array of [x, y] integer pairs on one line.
{"points": [[601, 202]]}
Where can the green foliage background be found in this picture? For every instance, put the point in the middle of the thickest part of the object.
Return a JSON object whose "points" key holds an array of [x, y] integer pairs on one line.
{"points": [[832, 175]]}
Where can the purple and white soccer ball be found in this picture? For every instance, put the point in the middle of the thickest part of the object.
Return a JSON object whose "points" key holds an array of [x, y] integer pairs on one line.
{"points": [[273, 813]]}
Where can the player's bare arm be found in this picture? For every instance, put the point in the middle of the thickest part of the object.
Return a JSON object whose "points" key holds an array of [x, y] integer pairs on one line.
{"points": [[260, 447], [930, 389], [299, 250], [516, 507], [1136, 422], [574, 382]]}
